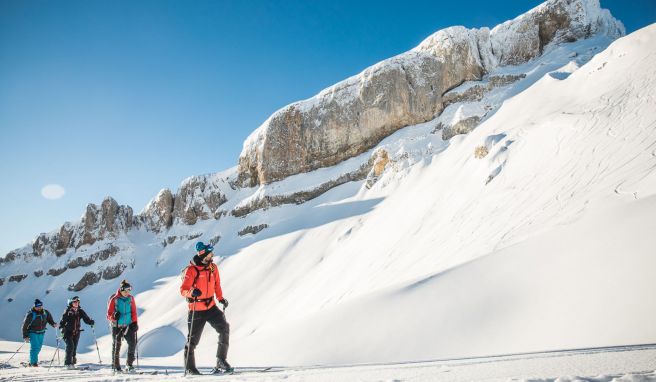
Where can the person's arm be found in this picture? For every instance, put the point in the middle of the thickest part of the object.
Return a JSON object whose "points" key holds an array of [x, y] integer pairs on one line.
{"points": [[62, 321], [111, 308], [26, 324], [186, 288], [86, 318], [50, 320], [133, 309], [217, 287]]}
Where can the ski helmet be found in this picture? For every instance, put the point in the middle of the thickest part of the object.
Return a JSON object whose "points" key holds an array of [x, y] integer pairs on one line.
{"points": [[203, 249], [72, 300]]}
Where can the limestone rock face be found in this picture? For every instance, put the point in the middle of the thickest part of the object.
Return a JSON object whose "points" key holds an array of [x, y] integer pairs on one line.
{"points": [[351, 117], [158, 214], [199, 198], [354, 115], [100, 222]]}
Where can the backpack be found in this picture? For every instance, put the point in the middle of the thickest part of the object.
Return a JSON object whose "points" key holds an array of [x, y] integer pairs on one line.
{"points": [[44, 316]]}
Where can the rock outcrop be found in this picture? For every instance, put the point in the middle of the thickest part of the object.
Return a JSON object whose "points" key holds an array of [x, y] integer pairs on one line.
{"points": [[89, 278], [199, 198], [268, 201], [354, 115], [104, 221], [252, 230], [158, 213]]}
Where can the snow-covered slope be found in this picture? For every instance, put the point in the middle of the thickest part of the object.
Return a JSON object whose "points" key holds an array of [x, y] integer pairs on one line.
{"points": [[541, 240], [545, 242]]}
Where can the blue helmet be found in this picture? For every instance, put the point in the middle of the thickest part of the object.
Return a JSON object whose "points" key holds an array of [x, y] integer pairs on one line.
{"points": [[203, 249]]}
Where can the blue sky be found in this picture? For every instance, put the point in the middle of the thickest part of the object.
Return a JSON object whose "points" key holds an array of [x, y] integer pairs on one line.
{"points": [[124, 98]]}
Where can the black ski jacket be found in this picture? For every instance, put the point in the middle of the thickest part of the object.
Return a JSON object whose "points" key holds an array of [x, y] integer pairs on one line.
{"points": [[36, 321], [70, 321]]}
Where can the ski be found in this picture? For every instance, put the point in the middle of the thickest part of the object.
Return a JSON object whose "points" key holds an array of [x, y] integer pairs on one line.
{"points": [[242, 371]]}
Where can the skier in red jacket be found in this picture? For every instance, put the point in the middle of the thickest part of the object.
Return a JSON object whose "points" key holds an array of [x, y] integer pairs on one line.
{"points": [[200, 285]]}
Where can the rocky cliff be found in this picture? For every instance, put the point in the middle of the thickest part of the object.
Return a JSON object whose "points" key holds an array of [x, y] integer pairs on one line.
{"points": [[352, 116]]}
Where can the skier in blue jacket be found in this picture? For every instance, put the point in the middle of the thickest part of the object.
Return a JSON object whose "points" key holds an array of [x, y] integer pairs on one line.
{"points": [[34, 329]]}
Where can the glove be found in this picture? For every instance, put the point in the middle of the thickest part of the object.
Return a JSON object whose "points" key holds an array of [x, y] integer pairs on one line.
{"points": [[92, 322], [196, 292], [224, 302], [134, 326], [116, 315], [27, 339]]}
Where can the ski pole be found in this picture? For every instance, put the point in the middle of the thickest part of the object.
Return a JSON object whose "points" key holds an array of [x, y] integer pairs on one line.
{"points": [[96, 340], [191, 327], [16, 352], [56, 353]]}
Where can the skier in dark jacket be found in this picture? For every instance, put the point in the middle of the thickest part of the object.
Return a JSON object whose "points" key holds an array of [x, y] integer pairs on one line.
{"points": [[122, 315], [201, 284], [34, 329], [70, 328]]}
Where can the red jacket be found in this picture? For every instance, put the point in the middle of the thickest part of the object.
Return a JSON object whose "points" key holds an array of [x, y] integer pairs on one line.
{"points": [[207, 280], [111, 307]]}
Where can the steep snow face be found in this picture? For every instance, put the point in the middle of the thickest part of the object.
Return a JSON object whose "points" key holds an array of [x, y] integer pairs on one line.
{"points": [[562, 205], [354, 115]]}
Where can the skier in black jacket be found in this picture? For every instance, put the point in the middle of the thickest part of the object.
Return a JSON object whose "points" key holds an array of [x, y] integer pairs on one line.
{"points": [[34, 328], [70, 329]]}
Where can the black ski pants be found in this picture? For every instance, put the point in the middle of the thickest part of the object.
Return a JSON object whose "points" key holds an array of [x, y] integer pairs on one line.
{"points": [[71, 348], [215, 317], [130, 335]]}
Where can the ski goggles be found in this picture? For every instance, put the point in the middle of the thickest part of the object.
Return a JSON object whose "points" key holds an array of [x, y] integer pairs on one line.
{"points": [[126, 289], [205, 251]]}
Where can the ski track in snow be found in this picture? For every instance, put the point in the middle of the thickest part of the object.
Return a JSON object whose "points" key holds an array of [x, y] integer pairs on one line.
{"points": [[616, 363]]}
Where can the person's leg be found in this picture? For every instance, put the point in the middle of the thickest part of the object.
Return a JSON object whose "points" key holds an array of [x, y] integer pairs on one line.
{"points": [[36, 341], [70, 344], [116, 347], [193, 338], [219, 323], [76, 339], [131, 338]]}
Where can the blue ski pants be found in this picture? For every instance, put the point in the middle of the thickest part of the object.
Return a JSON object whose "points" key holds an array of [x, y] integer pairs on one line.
{"points": [[36, 342]]}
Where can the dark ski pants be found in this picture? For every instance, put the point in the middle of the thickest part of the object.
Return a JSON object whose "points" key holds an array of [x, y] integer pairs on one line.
{"points": [[130, 335], [215, 317], [71, 348]]}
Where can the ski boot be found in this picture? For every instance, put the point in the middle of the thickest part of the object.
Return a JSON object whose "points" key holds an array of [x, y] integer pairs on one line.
{"points": [[222, 366], [193, 371], [130, 370]]}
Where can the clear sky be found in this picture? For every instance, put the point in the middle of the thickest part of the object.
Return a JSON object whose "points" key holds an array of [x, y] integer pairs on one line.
{"points": [[126, 97]]}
